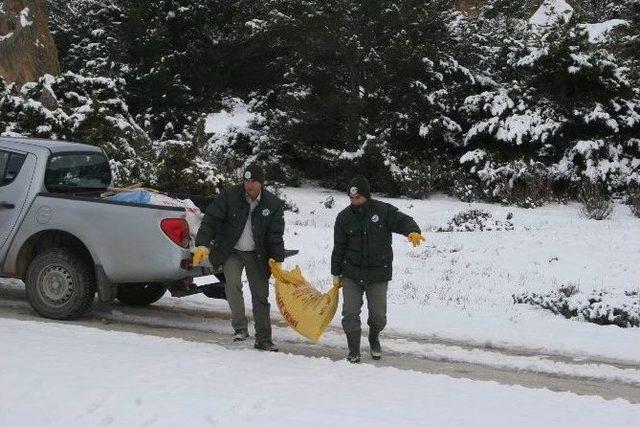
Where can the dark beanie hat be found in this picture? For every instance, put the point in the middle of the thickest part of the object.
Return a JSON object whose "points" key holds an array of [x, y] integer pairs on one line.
{"points": [[255, 172], [359, 185]]}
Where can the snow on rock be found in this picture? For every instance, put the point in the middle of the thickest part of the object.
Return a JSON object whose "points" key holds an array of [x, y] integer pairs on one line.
{"points": [[24, 18], [599, 33], [552, 12]]}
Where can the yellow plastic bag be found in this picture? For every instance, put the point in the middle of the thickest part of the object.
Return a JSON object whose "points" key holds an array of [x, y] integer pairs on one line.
{"points": [[307, 310]]}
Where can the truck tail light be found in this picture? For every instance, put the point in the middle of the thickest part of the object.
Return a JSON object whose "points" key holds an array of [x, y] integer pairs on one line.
{"points": [[177, 230]]}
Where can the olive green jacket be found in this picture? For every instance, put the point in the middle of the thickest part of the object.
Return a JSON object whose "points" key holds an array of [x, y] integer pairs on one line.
{"points": [[224, 221]]}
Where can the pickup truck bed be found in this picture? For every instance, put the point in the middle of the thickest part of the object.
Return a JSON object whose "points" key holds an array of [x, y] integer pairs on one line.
{"points": [[125, 239]]}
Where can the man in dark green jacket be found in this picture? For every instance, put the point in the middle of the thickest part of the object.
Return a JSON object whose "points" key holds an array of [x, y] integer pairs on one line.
{"points": [[362, 261], [241, 230]]}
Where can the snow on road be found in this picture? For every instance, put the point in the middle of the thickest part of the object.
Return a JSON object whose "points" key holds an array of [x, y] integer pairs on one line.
{"points": [[66, 375]]}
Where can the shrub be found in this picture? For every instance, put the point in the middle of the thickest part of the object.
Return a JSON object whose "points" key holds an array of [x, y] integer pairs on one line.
{"points": [[600, 307], [595, 204], [475, 220], [634, 204]]}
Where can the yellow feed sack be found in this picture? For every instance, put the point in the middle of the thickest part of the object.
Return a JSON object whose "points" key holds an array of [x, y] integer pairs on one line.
{"points": [[307, 310]]}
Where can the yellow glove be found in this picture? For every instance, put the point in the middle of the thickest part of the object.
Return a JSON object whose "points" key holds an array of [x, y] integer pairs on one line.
{"points": [[275, 266], [337, 281], [416, 239], [199, 254]]}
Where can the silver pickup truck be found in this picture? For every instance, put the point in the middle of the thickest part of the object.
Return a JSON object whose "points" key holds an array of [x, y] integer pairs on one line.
{"points": [[66, 243]]}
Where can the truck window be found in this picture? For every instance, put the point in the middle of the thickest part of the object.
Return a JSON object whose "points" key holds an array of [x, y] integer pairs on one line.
{"points": [[10, 165], [4, 159], [73, 172]]}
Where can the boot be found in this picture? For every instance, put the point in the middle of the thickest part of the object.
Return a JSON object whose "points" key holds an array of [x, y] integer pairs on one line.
{"points": [[353, 340], [266, 346], [240, 335], [374, 345]]}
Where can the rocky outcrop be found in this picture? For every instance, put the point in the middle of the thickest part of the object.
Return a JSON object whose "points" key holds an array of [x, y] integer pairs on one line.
{"points": [[468, 6], [27, 48]]}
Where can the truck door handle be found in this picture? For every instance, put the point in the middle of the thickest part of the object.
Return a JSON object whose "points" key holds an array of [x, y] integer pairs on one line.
{"points": [[5, 205]]}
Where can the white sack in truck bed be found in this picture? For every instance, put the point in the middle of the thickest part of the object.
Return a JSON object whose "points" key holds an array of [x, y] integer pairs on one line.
{"points": [[194, 215]]}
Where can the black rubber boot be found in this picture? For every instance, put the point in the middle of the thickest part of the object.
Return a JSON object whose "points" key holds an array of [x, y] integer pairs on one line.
{"points": [[374, 345], [266, 346], [353, 341], [240, 335]]}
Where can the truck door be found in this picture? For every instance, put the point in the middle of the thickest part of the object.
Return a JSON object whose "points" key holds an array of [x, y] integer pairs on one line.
{"points": [[16, 174]]}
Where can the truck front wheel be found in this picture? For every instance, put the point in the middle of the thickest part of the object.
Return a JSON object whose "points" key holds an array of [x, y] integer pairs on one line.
{"points": [[60, 284], [140, 294]]}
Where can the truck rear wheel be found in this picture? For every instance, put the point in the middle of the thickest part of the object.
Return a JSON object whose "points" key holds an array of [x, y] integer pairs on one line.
{"points": [[140, 294], [60, 284]]}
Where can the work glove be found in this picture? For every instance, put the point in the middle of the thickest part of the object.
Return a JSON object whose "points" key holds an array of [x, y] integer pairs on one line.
{"points": [[275, 267], [416, 239], [199, 254], [337, 281]]}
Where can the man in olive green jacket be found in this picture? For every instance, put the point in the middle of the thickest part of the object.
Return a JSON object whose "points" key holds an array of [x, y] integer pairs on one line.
{"points": [[362, 261], [241, 230]]}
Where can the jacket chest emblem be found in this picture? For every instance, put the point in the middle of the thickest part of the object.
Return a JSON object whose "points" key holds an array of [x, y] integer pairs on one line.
{"points": [[375, 219], [266, 212]]}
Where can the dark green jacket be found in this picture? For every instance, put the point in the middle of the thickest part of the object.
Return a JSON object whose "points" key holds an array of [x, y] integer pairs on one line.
{"points": [[362, 241], [224, 222]]}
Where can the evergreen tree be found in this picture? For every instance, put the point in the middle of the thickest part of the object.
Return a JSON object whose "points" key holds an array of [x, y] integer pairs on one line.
{"points": [[564, 110], [366, 85], [89, 110]]}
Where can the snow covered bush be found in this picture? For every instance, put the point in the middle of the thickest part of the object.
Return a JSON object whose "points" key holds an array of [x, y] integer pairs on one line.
{"points": [[276, 188], [475, 220], [231, 151], [181, 167], [526, 184], [419, 178], [559, 103], [329, 202], [634, 203], [89, 110], [464, 186], [601, 307], [595, 203]]}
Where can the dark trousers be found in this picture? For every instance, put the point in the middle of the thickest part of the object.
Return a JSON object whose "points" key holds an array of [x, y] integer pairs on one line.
{"points": [[259, 287], [352, 293]]}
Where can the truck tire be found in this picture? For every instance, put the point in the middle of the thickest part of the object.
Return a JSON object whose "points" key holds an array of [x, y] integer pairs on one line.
{"points": [[60, 284], [140, 294]]}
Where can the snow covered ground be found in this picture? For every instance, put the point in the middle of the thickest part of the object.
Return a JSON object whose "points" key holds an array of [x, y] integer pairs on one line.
{"points": [[235, 116], [450, 301], [65, 375], [458, 285]]}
